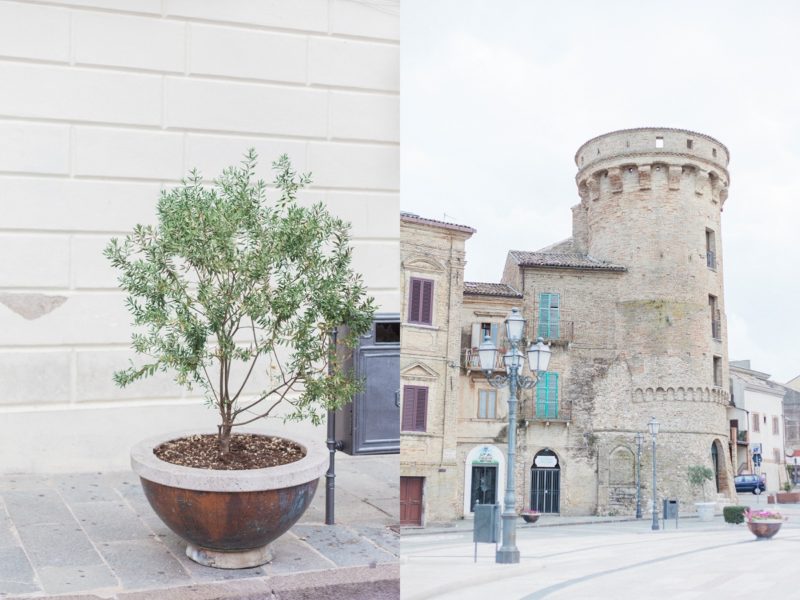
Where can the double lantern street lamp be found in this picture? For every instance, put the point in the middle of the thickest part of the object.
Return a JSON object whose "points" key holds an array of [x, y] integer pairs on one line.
{"points": [[653, 427], [538, 359], [639, 440]]}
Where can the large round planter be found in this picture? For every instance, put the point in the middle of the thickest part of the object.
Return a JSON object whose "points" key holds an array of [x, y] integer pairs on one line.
{"points": [[705, 510], [529, 518], [764, 530], [229, 518]]}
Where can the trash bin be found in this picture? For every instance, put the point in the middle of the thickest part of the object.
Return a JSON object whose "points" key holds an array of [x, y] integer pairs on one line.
{"points": [[486, 525], [670, 511]]}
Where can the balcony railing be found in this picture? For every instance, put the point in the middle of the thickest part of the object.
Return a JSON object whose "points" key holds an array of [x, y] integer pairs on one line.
{"points": [[547, 411], [742, 437], [561, 332], [471, 362], [716, 329]]}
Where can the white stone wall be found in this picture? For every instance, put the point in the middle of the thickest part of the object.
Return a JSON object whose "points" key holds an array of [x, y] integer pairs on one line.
{"points": [[104, 103]]}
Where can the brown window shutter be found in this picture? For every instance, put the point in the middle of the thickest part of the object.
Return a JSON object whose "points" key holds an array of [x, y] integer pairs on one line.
{"points": [[421, 417], [409, 404], [414, 300], [427, 302]]}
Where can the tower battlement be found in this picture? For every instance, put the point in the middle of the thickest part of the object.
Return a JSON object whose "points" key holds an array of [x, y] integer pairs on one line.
{"points": [[676, 155]]}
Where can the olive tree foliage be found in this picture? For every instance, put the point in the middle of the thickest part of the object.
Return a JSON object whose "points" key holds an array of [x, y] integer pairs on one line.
{"points": [[698, 475], [226, 277]]}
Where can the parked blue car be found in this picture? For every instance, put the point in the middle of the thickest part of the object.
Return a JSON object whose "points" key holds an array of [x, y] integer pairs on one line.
{"points": [[749, 483]]}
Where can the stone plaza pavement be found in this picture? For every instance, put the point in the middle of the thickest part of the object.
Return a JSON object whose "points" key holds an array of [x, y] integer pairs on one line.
{"points": [[594, 559], [87, 536]]}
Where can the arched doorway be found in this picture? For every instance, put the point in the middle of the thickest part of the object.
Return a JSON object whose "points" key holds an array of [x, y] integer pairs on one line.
{"points": [[483, 477], [546, 482], [715, 462]]}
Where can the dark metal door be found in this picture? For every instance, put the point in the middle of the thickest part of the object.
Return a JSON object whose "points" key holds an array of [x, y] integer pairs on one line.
{"points": [[715, 461], [411, 500], [546, 482], [376, 418], [484, 485]]}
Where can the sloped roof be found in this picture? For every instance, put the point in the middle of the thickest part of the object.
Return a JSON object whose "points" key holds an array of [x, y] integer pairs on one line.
{"points": [[478, 288], [412, 218], [548, 258]]}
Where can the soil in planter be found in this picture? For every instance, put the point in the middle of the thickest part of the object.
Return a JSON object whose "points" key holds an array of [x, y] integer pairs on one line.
{"points": [[247, 452]]}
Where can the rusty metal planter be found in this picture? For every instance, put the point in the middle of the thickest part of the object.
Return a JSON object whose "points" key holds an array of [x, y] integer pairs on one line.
{"points": [[764, 530], [228, 518]]}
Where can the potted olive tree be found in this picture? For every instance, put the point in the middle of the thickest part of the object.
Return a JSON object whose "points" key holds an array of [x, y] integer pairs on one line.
{"points": [[229, 283], [698, 477]]}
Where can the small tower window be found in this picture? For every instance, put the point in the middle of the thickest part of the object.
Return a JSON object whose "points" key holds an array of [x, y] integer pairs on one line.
{"points": [[718, 371], [711, 250], [689, 144], [714, 152], [659, 142]]}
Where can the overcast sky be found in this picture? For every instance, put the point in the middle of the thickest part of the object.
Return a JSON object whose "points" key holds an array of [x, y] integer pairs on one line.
{"points": [[497, 95]]}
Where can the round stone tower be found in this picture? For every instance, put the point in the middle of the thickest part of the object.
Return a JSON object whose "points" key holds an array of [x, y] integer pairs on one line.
{"points": [[651, 201]]}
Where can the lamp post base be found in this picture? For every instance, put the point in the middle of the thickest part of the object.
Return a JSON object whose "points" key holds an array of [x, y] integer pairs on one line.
{"points": [[507, 556]]}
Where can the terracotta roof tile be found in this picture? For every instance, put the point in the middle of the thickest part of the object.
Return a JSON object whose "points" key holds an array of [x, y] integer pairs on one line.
{"points": [[412, 218], [478, 288], [562, 260]]}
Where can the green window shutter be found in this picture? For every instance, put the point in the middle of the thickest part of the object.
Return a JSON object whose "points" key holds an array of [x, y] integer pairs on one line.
{"points": [[547, 396], [482, 405], [549, 315], [494, 333]]}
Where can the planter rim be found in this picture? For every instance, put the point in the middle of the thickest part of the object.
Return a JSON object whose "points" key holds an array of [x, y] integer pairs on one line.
{"points": [[148, 466]]}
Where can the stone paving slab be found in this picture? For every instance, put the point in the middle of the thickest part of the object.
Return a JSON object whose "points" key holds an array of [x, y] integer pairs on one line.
{"points": [[36, 507], [342, 545], [293, 555], [62, 580], [113, 521], [58, 545], [144, 564], [16, 572]]}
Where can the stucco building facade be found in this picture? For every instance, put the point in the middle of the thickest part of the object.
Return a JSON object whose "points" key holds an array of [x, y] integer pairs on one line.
{"points": [[632, 305]]}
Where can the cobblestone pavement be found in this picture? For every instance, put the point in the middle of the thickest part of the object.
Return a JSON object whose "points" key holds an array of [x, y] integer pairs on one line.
{"points": [[608, 559], [94, 535]]}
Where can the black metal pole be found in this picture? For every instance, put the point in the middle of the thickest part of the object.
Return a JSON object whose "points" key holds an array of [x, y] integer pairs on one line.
{"points": [[654, 527], [330, 475], [638, 476]]}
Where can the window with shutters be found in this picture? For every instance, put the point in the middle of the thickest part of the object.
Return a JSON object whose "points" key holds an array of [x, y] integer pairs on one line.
{"points": [[415, 408], [776, 425], [549, 316], [547, 396], [776, 455], [420, 301], [756, 422], [487, 404]]}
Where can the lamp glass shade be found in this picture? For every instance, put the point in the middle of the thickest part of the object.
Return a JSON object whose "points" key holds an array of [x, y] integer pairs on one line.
{"points": [[487, 354], [538, 356], [653, 426], [513, 358], [515, 325]]}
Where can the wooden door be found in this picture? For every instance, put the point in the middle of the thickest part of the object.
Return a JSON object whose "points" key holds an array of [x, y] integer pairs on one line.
{"points": [[411, 500]]}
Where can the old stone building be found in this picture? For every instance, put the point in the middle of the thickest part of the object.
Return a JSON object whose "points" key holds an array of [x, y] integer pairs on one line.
{"points": [[632, 305]]}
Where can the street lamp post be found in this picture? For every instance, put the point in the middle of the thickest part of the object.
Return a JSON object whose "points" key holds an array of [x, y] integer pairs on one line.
{"points": [[639, 439], [653, 426], [538, 359]]}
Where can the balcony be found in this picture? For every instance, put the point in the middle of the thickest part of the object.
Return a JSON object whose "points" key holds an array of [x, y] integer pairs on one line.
{"points": [[560, 333], [559, 412], [742, 438], [471, 362]]}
